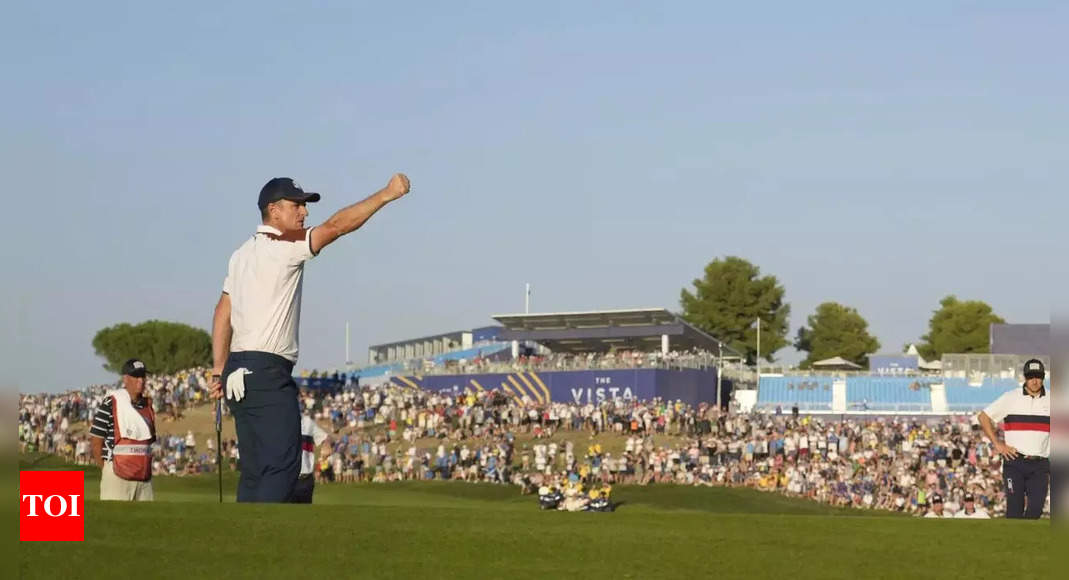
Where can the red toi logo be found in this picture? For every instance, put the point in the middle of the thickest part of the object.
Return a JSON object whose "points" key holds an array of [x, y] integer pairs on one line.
{"points": [[52, 506]]}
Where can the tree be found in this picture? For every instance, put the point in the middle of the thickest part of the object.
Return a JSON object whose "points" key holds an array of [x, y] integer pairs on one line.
{"points": [[165, 347], [959, 327], [836, 330], [727, 302]]}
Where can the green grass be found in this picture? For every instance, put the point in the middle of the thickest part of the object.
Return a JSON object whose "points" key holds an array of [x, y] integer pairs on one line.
{"points": [[458, 530]]}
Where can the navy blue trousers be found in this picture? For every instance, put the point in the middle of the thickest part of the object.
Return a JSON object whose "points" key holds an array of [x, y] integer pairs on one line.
{"points": [[1027, 482], [268, 425]]}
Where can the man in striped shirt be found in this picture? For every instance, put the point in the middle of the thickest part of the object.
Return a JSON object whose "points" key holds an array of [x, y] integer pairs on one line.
{"points": [[102, 437], [1025, 414], [103, 431]]}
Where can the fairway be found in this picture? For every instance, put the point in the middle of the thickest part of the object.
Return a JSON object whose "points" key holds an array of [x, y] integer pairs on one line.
{"points": [[459, 530]]}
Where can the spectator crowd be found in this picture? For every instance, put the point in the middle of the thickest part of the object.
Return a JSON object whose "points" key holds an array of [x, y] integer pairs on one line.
{"points": [[390, 433], [896, 464], [58, 423]]}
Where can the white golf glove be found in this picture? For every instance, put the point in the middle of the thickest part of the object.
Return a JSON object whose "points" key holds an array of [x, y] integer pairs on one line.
{"points": [[235, 384]]}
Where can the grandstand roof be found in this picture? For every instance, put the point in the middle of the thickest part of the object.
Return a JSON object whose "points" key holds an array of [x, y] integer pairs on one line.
{"points": [[455, 336], [604, 330]]}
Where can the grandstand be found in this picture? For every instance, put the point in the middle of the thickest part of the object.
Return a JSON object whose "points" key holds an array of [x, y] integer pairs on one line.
{"points": [[964, 397], [427, 353], [564, 356], [587, 356], [642, 330], [898, 394], [905, 383], [968, 383], [446, 346], [837, 394], [810, 393]]}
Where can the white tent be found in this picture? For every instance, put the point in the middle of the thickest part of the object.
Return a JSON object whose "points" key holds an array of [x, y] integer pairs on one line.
{"points": [[836, 363], [935, 365]]}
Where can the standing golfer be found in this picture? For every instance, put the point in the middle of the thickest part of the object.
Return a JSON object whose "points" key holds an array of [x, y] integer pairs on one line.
{"points": [[254, 333], [1025, 417]]}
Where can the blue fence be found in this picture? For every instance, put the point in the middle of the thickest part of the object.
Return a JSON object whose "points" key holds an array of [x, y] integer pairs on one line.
{"points": [[879, 393], [963, 397], [889, 393], [809, 393]]}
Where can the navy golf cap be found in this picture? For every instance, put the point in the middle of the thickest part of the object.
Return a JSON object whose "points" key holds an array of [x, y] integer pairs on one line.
{"points": [[284, 188], [1033, 369], [134, 368]]}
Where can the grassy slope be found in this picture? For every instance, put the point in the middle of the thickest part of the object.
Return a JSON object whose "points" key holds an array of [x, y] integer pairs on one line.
{"points": [[201, 420], [439, 529]]}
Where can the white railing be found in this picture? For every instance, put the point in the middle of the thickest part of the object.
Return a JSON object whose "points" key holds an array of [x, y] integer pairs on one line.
{"points": [[796, 372], [572, 365]]}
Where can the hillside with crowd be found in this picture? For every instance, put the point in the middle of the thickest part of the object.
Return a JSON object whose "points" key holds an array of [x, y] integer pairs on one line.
{"points": [[58, 423], [389, 433]]}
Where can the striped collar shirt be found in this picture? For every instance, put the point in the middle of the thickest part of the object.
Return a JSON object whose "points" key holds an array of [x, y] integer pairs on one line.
{"points": [[1025, 420]]}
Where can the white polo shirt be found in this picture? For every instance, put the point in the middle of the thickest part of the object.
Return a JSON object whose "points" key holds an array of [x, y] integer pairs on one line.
{"points": [[1026, 420], [264, 283]]}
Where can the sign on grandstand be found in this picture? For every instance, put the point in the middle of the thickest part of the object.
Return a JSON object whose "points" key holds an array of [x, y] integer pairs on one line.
{"points": [[893, 364]]}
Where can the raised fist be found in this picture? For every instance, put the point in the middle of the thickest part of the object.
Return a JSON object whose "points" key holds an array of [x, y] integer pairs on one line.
{"points": [[397, 187]]}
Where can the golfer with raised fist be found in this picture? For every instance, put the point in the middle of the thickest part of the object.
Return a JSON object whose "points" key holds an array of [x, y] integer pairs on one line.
{"points": [[255, 330]]}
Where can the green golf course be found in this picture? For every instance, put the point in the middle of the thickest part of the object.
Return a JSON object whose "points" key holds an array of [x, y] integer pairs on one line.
{"points": [[463, 530]]}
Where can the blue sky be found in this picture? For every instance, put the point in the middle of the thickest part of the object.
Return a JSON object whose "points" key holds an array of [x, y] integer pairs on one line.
{"points": [[880, 156]]}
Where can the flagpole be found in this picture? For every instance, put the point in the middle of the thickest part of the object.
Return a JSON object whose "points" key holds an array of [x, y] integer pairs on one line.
{"points": [[759, 348]]}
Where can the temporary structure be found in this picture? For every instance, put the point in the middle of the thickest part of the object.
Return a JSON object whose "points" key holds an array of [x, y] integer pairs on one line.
{"points": [[836, 364]]}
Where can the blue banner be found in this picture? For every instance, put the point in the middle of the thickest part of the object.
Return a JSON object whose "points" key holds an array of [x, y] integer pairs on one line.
{"points": [[890, 364], [689, 386]]}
